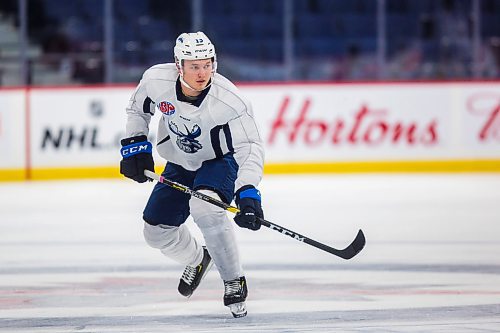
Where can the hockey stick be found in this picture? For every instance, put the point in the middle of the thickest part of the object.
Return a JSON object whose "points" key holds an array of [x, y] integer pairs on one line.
{"points": [[350, 251]]}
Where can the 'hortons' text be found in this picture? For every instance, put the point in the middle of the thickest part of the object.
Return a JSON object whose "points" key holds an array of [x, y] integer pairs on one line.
{"points": [[364, 126]]}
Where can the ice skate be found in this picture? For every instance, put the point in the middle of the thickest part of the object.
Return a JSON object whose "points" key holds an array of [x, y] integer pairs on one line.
{"points": [[235, 294], [192, 276]]}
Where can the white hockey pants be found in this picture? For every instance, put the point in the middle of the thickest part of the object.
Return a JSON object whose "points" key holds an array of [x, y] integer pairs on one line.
{"points": [[178, 244]]}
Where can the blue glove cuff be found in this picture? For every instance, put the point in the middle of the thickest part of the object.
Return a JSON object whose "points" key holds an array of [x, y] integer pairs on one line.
{"points": [[137, 148], [252, 193]]}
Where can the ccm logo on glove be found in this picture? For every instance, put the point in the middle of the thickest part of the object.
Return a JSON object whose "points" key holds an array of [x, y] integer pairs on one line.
{"points": [[137, 157], [140, 147]]}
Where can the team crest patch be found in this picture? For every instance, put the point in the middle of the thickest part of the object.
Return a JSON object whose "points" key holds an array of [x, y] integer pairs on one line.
{"points": [[166, 108], [187, 140]]}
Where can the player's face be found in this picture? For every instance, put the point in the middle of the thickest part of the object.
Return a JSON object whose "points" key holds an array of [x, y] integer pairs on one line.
{"points": [[197, 73]]}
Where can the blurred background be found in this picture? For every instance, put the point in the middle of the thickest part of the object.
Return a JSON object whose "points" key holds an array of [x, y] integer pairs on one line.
{"points": [[52, 42]]}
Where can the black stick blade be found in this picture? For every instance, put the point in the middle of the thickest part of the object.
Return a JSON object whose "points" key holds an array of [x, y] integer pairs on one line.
{"points": [[354, 248]]}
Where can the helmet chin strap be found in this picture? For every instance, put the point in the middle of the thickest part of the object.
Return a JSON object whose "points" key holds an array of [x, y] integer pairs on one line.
{"points": [[185, 84]]}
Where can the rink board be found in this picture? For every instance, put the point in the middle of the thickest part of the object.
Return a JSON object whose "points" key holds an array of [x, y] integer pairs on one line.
{"points": [[74, 132]]}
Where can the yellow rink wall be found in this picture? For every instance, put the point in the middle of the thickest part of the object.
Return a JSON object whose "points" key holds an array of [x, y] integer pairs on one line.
{"points": [[487, 166], [74, 132]]}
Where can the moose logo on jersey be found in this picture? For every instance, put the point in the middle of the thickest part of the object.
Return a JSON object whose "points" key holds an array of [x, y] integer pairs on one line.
{"points": [[166, 108], [187, 141]]}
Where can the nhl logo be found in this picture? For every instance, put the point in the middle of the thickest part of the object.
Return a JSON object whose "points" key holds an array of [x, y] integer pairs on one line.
{"points": [[166, 108]]}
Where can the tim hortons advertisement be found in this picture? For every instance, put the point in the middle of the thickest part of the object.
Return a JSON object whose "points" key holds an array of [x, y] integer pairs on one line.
{"points": [[481, 119], [358, 122]]}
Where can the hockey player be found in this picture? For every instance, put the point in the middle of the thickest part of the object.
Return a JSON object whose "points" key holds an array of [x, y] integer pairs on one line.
{"points": [[208, 135]]}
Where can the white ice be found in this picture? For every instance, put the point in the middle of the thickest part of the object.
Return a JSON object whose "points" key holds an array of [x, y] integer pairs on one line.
{"points": [[72, 259]]}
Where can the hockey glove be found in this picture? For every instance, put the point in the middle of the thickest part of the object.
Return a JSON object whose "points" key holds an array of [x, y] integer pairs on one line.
{"points": [[248, 201], [136, 157]]}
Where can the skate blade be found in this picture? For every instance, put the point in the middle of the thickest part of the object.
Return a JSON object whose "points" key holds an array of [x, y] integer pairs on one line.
{"points": [[238, 310]]}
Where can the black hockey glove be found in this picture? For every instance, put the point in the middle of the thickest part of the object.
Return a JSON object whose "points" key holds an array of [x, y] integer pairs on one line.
{"points": [[248, 201], [137, 156]]}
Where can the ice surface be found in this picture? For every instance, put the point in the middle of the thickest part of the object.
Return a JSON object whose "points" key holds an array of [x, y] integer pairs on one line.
{"points": [[72, 259]]}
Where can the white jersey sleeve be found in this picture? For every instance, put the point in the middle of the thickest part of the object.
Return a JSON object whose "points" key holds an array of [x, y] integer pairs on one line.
{"points": [[248, 148], [139, 111]]}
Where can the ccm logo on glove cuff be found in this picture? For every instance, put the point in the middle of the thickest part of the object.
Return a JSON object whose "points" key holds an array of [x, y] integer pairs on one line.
{"points": [[137, 148]]}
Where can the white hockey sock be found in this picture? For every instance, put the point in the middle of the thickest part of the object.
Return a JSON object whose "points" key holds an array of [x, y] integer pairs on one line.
{"points": [[176, 243], [219, 236]]}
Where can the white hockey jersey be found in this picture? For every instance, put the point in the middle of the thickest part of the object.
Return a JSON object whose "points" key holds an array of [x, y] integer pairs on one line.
{"points": [[189, 135]]}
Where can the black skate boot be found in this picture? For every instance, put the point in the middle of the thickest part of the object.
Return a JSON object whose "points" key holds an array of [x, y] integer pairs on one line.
{"points": [[192, 276], [235, 294]]}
